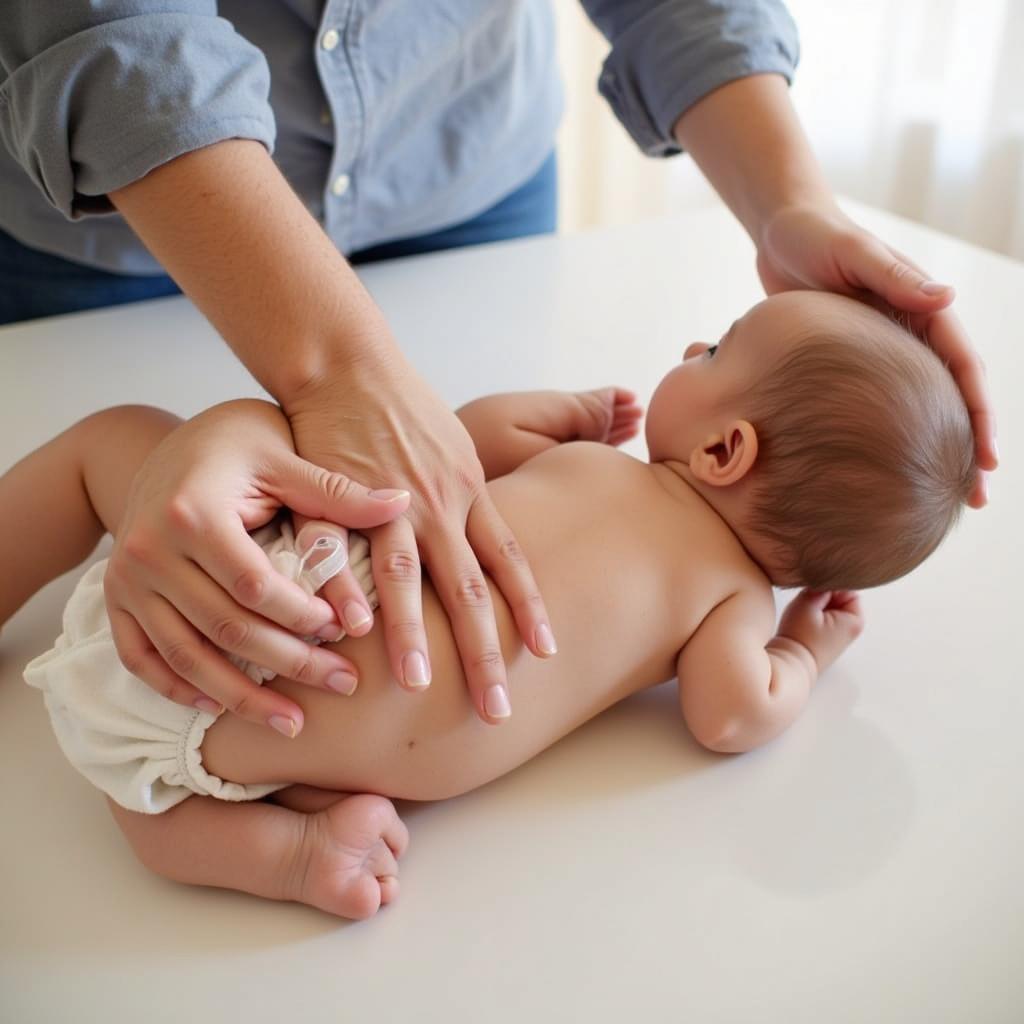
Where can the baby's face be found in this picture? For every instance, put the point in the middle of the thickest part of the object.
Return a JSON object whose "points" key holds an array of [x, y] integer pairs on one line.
{"points": [[693, 396]]}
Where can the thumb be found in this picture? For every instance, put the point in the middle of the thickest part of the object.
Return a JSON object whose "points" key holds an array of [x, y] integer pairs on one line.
{"points": [[894, 278], [320, 494]]}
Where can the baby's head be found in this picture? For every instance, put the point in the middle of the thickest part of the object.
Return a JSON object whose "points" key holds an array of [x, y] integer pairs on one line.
{"points": [[835, 444]]}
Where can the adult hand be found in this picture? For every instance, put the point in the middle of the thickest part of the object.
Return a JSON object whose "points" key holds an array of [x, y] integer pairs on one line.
{"points": [[382, 423], [815, 246], [183, 568]]}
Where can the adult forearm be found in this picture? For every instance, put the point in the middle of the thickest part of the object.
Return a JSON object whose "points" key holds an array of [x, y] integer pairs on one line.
{"points": [[747, 140], [228, 228]]}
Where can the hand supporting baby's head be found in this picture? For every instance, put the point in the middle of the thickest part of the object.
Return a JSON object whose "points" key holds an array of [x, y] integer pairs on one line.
{"points": [[865, 453], [834, 443]]}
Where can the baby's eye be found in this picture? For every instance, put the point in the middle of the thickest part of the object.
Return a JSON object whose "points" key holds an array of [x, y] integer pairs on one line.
{"points": [[710, 350]]}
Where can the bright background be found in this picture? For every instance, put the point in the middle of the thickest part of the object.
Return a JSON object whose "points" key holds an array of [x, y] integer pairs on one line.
{"points": [[914, 106]]}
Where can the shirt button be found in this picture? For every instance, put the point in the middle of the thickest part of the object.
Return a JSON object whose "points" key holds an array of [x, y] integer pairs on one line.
{"points": [[325, 116], [340, 184], [330, 39]]}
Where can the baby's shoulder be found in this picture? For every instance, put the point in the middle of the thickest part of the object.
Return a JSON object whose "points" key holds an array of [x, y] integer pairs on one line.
{"points": [[582, 458]]}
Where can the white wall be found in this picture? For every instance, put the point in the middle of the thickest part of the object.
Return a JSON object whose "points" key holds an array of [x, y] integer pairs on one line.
{"points": [[916, 106]]}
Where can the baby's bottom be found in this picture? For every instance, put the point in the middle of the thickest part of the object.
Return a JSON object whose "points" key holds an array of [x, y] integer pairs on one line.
{"points": [[334, 851]]}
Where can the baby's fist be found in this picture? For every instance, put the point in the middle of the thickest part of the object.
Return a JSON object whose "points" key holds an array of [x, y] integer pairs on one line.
{"points": [[826, 622]]}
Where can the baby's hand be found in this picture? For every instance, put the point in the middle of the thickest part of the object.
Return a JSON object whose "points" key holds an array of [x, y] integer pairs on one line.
{"points": [[608, 415], [826, 622]]}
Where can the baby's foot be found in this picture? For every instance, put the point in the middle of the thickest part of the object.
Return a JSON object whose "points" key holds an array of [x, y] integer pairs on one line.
{"points": [[348, 861], [613, 415]]}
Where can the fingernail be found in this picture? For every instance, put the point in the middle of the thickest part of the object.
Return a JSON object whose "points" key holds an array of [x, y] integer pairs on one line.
{"points": [[933, 287], [389, 495], [211, 707], [496, 702], [545, 639], [355, 615], [285, 726], [332, 632], [342, 682], [415, 671]]}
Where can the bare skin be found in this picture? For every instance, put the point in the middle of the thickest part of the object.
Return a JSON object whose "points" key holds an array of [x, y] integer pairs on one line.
{"points": [[673, 590]]}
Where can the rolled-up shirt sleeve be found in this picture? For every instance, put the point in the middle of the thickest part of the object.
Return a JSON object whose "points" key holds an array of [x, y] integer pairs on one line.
{"points": [[99, 93], [668, 54]]}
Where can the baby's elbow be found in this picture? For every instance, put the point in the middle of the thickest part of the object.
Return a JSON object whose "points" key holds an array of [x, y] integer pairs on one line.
{"points": [[738, 732], [722, 735]]}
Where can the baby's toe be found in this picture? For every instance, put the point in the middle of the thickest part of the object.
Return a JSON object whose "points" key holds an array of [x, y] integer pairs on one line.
{"points": [[361, 898], [388, 889]]}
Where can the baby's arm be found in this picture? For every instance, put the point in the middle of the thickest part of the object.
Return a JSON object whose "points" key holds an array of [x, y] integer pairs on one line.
{"points": [[738, 689], [509, 429], [57, 502]]}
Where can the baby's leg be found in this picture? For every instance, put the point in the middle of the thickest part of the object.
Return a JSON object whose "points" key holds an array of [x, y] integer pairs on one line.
{"points": [[57, 503], [342, 859]]}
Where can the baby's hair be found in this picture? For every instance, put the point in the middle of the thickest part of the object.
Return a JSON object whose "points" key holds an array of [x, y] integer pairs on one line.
{"points": [[865, 454]]}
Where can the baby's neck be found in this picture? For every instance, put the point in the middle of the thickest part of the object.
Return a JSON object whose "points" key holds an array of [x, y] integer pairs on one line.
{"points": [[730, 504]]}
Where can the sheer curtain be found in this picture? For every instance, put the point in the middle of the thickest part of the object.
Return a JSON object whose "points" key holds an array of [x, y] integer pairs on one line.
{"points": [[915, 106]]}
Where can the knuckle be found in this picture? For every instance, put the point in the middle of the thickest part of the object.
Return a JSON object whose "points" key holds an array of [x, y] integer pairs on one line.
{"points": [[898, 271], [303, 669], [529, 602], [336, 486], [180, 657], [183, 515], [400, 567], [404, 628], [177, 693], [230, 634], [471, 591], [240, 704], [487, 659], [250, 587], [135, 549], [303, 624], [134, 661], [510, 551]]}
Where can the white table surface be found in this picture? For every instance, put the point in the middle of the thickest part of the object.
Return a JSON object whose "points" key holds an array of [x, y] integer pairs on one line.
{"points": [[867, 866]]}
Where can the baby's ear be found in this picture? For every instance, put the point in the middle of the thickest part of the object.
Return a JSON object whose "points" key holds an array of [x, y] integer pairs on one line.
{"points": [[725, 459]]}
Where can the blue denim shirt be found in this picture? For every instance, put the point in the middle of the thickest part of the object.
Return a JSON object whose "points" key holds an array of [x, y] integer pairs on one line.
{"points": [[390, 118]]}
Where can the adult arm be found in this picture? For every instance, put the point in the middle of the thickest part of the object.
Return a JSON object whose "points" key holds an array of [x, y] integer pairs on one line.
{"points": [[226, 225], [184, 155], [710, 77]]}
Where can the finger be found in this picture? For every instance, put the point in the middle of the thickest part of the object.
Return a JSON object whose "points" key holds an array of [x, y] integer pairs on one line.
{"points": [[396, 573], [189, 656], [321, 494], [140, 658], [396, 835], [235, 630], [381, 862], [503, 559], [815, 599], [343, 591], [389, 889], [948, 339], [231, 558], [866, 262], [455, 573], [623, 434]]}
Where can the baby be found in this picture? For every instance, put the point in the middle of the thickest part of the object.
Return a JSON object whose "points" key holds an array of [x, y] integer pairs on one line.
{"points": [[817, 445]]}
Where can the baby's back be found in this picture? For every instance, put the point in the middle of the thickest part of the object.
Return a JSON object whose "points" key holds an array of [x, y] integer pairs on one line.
{"points": [[627, 569]]}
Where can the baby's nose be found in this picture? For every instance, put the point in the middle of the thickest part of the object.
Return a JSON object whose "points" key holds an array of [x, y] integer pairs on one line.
{"points": [[695, 349]]}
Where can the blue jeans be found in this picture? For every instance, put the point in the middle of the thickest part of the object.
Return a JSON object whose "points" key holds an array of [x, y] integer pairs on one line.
{"points": [[34, 283]]}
